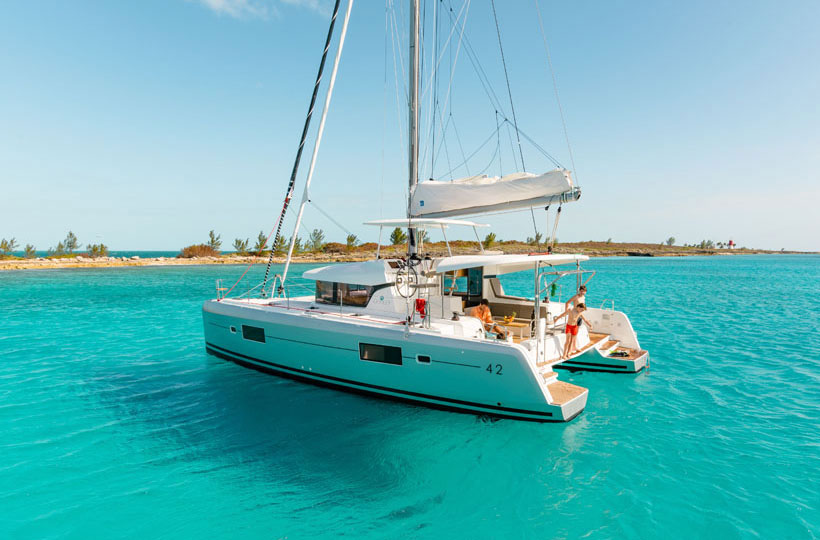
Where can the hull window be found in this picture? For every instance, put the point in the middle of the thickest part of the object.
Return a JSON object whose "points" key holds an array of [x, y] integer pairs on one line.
{"points": [[253, 333], [423, 359], [380, 353]]}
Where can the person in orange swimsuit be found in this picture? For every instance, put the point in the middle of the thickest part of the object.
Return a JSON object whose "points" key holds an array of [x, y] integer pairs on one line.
{"points": [[574, 317], [483, 314]]}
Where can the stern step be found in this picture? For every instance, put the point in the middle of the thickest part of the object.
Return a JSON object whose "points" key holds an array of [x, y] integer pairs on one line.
{"points": [[564, 392]]}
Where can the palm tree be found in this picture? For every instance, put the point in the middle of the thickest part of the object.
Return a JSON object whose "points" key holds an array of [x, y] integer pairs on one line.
{"points": [[7, 246], [241, 246], [316, 241], [261, 243], [489, 240], [29, 252], [352, 241], [71, 243], [214, 241]]}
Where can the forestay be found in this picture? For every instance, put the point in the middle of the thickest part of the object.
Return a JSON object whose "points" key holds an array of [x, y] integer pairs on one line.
{"points": [[477, 194]]}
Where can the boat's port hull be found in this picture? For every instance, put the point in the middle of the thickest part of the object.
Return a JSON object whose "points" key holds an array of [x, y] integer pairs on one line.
{"points": [[434, 371]]}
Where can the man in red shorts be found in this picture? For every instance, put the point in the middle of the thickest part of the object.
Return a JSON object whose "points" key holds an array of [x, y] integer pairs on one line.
{"points": [[575, 316]]}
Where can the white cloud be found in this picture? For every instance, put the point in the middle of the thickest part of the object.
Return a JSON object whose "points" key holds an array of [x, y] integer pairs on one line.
{"points": [[261, 8]]}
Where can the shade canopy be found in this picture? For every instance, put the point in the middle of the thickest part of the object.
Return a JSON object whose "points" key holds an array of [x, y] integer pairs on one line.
{"points": [[360, 273], [504, 264]]}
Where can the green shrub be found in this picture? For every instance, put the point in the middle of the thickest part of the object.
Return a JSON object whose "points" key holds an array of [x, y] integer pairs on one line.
{"points": [[398, 236], [97, 250], [197, 250]]}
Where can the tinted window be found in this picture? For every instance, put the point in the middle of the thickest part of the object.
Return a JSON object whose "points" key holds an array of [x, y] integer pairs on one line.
{"points": [[455, 285], [253, 333], [325, 292], [380, 353], [474, 284], [348, 294]]}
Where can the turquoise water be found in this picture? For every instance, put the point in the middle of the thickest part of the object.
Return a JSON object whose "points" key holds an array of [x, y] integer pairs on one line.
{"points": [[115, 423]]}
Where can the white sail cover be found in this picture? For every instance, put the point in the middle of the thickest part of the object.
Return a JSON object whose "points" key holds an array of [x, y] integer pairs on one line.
{"points": [[477, 194]]}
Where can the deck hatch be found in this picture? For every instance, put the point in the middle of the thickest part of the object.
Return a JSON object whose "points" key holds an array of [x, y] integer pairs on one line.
{"points": [[253, 333], [380, 353]]}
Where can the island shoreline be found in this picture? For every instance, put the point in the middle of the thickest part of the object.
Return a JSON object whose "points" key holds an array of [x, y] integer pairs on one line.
{"points": [[598, 250]]}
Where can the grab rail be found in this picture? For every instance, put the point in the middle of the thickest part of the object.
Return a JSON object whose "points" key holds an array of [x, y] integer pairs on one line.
{"points": [[611, 302]]}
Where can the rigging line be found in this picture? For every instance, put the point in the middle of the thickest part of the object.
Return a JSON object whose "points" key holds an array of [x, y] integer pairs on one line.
{"points": [[477, 150], [434, 96], [482, 75], [328, 216], [555, 88], [555, 227], [498, 145], [292, 182], [434, 75], [397, 44], [447, 100], [399, 122], [489, 163], [384, 108], [535, 144], [541, 149], [443, 143], [458, 138], [512, 145], [535, 228], [509, 90], [436, 60]]}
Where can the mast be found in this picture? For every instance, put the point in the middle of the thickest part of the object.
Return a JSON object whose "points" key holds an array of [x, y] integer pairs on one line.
{"points": [[413, 139]]}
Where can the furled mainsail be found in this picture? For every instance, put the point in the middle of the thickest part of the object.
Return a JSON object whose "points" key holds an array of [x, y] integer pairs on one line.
{"points": [[481, 194]]}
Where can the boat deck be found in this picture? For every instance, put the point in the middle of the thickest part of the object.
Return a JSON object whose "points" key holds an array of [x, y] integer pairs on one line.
{"points": [[634, 354], [564, 392]]}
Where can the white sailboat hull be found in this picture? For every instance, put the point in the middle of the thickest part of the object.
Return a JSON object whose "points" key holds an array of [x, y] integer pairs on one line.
{"points": [[472, 376]]}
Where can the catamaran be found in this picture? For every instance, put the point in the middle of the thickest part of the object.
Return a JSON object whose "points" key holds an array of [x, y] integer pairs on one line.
{"points": [[401, 327]]}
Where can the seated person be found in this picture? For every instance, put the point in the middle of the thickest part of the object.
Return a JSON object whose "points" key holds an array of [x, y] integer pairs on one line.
{"points": [[482, 313]]}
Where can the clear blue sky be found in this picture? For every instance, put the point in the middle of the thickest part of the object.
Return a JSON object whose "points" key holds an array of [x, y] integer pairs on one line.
{"points": [[145, 124]]}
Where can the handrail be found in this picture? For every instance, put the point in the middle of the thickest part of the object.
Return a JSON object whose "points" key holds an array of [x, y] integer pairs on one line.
{"points": [[611, 301]]}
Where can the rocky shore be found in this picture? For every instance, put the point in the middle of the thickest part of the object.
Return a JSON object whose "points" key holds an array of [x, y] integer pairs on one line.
{"points": [[592, 249]]}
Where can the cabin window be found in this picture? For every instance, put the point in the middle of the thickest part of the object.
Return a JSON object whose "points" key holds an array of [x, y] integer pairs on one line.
{"points": [[253, 333], [326, 292], [355, 295], [423, 359], [474, 284], [455, 284], [348, 294], [380, 353]]}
